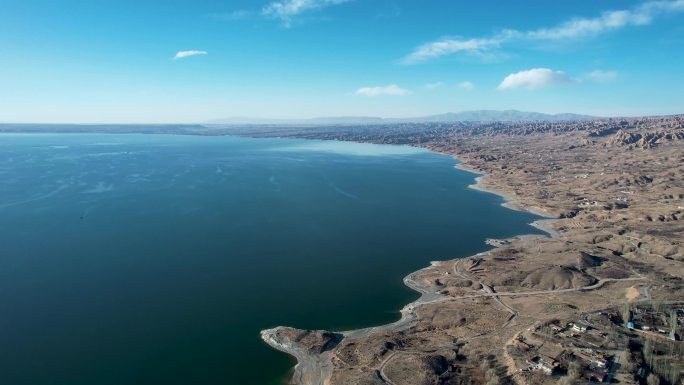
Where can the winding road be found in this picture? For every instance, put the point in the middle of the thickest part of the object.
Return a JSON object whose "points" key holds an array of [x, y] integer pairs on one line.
{"points": [[314, 369]]}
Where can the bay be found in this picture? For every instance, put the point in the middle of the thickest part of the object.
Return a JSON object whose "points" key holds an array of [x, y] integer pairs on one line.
{"points": [[157, 259]]}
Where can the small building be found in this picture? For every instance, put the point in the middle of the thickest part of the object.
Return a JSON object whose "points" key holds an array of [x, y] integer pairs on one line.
{"points": [[546, 369], [544, 364], [579, 327], [599, 361], [548, 364]]}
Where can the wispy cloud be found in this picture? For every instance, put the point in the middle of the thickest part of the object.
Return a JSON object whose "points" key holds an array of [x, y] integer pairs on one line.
{"points": [[392, 90], [602, 76], [579, 27], [434, 86], [642, 14], [465, 85], [240, 14], [184, 54], [287, 10], [450, 46], [534, 78], [390, 13]]}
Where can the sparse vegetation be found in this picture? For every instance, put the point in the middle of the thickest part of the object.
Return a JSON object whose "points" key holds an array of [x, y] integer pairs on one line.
{"points": [[598, 302]]}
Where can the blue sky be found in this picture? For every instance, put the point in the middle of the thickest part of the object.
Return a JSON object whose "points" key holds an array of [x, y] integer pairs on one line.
{"points": [[192, 61]]}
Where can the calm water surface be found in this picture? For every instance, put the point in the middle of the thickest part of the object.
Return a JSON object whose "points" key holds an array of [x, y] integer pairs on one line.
{"points": [[151, 259]]}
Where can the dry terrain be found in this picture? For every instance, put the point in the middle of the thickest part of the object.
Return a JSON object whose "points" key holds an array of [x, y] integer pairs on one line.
{"points": [[600, 299], [534, 309]]}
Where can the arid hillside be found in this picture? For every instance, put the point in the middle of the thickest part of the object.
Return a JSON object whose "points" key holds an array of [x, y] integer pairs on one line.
{"points": [[600, 300]]}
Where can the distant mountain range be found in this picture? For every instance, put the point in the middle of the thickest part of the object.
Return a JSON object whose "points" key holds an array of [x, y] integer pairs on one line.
{"points": [[505, 115], [463, 116]]}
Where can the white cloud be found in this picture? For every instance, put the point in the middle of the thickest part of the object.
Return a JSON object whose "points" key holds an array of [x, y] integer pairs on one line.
{"points": [[534, 78], [286, 10], [602, 76], [642, 14], [466, 85], [581, 27], [449, 46], [393, 90], [434, 86], [184, 54]]}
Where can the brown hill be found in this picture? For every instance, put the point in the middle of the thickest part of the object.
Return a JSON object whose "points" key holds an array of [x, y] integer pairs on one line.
{"points": [[556, 277]]}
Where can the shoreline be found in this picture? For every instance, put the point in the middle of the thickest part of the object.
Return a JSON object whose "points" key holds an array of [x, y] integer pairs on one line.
{"points": [[510, 201], [617, 242], [306, 366]]}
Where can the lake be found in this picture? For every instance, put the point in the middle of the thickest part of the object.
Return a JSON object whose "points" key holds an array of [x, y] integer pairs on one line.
{"points": [[155, 259]]}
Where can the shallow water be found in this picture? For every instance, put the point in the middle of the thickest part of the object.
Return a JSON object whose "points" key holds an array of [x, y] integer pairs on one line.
{"points": [[152, 259]]}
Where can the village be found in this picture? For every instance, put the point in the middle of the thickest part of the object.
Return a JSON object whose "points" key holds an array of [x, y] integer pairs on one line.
{"points": [[603, 346]]}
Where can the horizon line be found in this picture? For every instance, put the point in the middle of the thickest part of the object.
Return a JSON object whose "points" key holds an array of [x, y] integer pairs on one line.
{"points": [[294, 120]]}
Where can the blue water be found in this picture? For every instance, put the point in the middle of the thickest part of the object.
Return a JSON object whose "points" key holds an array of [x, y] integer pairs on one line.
{"points": [[153, 259]]}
